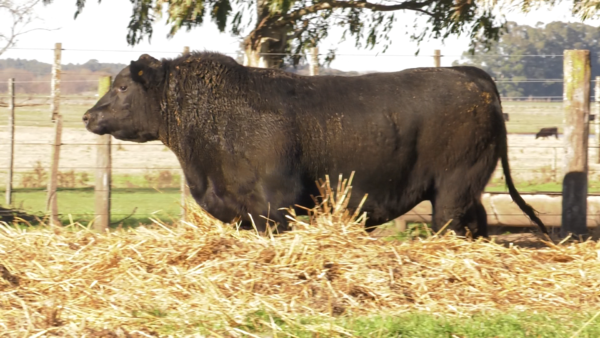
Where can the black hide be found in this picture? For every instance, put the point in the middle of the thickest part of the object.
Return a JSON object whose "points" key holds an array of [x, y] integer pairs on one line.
{"points": [[252, 141]]}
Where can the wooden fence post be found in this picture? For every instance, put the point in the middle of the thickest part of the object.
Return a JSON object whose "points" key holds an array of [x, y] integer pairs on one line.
{"points": [[437, 58], [313, 61], [185, 189], [597, 120], [577, 76], [11, 137], [554, 164], [102, 193], [55, 82], [51, 201]]}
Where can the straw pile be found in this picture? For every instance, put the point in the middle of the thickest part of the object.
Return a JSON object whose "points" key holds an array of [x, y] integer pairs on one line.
{"points": [[74, 282]]}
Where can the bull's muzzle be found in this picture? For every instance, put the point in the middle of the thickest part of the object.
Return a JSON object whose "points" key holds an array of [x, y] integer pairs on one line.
{"points": [[86, 118]]}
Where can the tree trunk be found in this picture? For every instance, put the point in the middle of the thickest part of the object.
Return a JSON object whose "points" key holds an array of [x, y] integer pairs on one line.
{"points": [[265, 47]]}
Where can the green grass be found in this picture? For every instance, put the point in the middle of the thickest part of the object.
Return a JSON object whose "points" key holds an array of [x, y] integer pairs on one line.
{"points": [[496, 185], [525, 117], [143, 203], [40, 115], [142, 181], [500, 186], [530, 117], [413, 324]]}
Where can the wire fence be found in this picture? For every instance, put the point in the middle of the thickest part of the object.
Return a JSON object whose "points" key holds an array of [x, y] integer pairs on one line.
{"points": [[151, 169]]}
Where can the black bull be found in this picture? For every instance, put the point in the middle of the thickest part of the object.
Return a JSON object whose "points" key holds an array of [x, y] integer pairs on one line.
{"points": [[545, 132], [251, 141]]}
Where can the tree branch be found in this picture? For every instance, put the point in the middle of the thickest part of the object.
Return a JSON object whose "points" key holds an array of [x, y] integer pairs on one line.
{"points": [[21, 15], [275, 22], [359, 4]]}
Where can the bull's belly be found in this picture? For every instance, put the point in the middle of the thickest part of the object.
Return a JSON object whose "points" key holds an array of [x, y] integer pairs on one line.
{"points": [[385, 203]]}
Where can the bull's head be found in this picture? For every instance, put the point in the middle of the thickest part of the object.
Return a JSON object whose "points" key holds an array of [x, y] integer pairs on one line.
{"points": [[130, 109]]}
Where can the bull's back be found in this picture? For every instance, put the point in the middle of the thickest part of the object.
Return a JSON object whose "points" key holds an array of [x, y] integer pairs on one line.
{"points": [[388, 123]]}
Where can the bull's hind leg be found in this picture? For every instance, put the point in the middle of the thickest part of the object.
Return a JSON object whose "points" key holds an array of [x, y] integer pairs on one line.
{"points": [[463, 213], [459, 199], [457, 196]]}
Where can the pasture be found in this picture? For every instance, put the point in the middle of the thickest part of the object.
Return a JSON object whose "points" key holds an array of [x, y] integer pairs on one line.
{"points": [[326, 278], [146, 176]]}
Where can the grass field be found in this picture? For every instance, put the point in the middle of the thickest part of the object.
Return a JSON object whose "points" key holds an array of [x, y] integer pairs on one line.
{"points": [[535, 187], [525, 117], [423, 325], [135, 205], [208, 281], [133, 163], [530, 117], [71, 109]]}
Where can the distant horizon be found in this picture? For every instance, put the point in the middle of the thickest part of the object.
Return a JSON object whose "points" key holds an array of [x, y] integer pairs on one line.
{"points": [[103, 64]]}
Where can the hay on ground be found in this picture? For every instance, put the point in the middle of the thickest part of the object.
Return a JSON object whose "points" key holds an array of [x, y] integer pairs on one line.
{"points": [[136, 282]]}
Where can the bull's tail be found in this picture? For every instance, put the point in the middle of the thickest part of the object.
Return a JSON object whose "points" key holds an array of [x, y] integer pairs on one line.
{"points": [[514, 194]]}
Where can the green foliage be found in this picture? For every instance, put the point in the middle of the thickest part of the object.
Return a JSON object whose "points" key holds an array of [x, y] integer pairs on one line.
{"points": [[33, 66], [294, 25], [509, 58], [91, 65]]}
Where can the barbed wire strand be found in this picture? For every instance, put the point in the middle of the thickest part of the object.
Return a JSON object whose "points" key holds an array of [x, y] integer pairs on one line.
{"points": [[287, 54], [525, 80]]}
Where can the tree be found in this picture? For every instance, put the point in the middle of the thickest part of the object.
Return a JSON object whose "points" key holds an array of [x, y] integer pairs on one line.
{"points": [[532, 54], [17, 16], [277, 32], [285, 28]]}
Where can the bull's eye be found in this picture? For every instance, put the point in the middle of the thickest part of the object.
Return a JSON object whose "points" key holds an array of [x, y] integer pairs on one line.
{"points": [[122, 88]]}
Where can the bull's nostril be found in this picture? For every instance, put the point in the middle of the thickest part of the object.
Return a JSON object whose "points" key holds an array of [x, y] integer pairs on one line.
{"points": [[86, 118]]}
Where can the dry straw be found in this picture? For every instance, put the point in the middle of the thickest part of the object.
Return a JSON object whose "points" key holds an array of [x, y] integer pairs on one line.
{"points": [[136, 282]]}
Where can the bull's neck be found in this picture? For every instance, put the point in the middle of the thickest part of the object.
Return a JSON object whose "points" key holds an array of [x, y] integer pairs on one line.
{"points": [[170, 130], [168, 136]]}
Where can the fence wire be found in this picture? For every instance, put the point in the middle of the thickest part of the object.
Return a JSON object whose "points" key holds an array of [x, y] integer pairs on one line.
{"points": [[530, 166]]}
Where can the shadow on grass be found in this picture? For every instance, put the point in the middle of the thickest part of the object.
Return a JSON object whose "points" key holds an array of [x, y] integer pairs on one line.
{"points": [[130, 207], [9, 216]]}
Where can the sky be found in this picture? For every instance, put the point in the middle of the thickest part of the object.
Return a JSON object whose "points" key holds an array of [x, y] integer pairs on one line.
{"points": [[99, 33]]}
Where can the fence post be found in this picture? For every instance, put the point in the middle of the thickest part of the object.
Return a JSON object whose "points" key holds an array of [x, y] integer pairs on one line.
{"points": [[313, 61], [554, 162], [597, 120], [437, 58], [11, 136], [52, 202], [577, 76], [185, 189], [55, 82], [56, 117], [102, 187]]}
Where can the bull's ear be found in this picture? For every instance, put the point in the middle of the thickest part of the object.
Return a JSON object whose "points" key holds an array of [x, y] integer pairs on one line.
{"points": [[146, 70]]}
